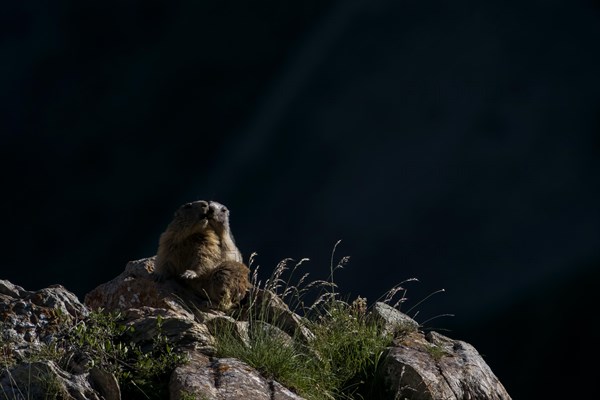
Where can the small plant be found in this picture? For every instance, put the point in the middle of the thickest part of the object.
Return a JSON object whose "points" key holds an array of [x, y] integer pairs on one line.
{"points": [[185, 395], [53, 389], [141, 374], [436, 352], [33, 380], [101, 340], [7, 357]]}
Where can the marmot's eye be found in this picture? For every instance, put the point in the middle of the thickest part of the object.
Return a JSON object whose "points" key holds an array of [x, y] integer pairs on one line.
{"points": [[187, 205], [224, 209]]}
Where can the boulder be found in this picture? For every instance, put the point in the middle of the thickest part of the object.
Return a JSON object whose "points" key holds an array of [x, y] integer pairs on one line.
{"points": [[30, 320], [435, 367], [392, 320], [224, 379]]}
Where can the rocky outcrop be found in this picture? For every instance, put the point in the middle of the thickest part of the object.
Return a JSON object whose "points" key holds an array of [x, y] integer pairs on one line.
{"points": [[30, 322], [417, 365], [432, 366]]}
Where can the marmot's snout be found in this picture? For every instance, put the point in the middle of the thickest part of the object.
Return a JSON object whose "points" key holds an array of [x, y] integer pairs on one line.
{"points": [[217, 211], [195, 210]]}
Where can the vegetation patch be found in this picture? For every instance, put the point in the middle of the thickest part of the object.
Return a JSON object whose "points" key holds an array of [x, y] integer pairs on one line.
{"points": [[102, 341], [343, 357], [142, 374]]}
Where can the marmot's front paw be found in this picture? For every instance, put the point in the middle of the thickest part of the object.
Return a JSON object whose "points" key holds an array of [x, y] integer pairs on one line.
{"points": [[189, 274]]}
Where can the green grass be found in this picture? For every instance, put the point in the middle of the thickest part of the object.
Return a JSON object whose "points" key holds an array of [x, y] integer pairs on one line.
{"points": [[142, 374], [104, 341], [340, 362], [343, 358], [349, 348], [271, 355], [436, 352]]}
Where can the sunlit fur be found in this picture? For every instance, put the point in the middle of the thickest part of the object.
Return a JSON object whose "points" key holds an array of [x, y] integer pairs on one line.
{"points": [[198, 249]]}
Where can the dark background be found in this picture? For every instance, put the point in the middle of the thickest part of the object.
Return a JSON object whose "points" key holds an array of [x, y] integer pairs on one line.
{"points": [[455, 142]]}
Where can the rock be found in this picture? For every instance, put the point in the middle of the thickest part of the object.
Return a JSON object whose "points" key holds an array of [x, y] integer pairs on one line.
{"points": [[142, 301], [30, 320], [136, 288], [59, 299], [105, 383], [392, 320], [434, 367], [239, 329], [259, 330], [196, 377], [181, 331], [268, 307], [44, 380], [224, 379], [8, 289], [133, 288]]}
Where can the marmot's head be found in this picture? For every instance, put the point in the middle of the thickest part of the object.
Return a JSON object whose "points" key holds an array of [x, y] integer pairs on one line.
{"points": [[192, 215], [218, 215]]}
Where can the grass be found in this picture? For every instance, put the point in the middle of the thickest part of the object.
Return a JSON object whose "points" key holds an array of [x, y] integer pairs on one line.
{"points": [[142, 374], [349, 349], [436, 352], [102, 340], [342, 358]]}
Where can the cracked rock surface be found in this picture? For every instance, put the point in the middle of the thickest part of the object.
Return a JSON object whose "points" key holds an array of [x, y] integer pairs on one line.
{"points": [[433, 366], [224, 379]]}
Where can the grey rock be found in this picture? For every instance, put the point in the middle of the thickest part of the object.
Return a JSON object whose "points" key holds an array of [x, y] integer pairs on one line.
{"points": [[434, 367], [59, 299], [259, 329], [30, 320], [136, 288], [238, 329], [105, 383], [44, 380], [274, 311], [224, 379], [392, 320], [9, 289], [181, 331]]}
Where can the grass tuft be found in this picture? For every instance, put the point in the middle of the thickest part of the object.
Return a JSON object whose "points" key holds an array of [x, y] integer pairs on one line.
{"points": [[343, 357]]}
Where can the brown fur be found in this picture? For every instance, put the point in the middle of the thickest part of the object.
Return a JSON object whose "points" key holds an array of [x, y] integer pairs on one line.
{"points": [[198, 249], [226, 285]]}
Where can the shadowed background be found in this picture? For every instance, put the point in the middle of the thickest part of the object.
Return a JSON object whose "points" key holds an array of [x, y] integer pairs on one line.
{"points": [[455, 142]]}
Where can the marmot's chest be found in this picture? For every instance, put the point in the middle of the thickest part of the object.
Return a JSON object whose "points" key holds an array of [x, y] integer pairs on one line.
{"points": [[202, 244]]}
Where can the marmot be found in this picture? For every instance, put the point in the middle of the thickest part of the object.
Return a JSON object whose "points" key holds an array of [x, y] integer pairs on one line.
{"points": [[226, 285], [198, 249], [219, 221]]}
